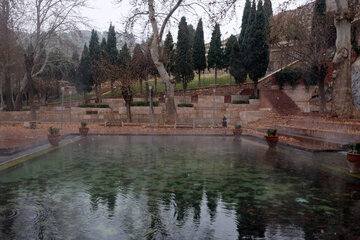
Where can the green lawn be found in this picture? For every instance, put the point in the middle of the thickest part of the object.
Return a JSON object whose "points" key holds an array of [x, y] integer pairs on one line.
{"points": [[206, 80], [74, 97]]}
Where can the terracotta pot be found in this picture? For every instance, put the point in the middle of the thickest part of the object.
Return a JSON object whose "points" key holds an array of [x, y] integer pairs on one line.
{"points": [[272, 140], [237, 132], [83, 131], [353, 160], [33, 125], [54, 139]]}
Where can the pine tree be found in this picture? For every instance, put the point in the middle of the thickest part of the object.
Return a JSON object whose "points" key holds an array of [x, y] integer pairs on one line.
{"points": [[199, 58], [168, 53], [236, 65], [183, 68], [112, 52], [268, 8], [245, 21], [228, 49], [215, 54], [83, 80], [260, 49], [268, 14], [192, 33]]}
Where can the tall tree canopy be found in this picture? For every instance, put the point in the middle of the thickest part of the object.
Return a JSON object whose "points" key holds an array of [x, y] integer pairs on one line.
{"points": [[183, 68], [168, 53], [228, 49], [112, 52], [199, 58], [215, 54]]}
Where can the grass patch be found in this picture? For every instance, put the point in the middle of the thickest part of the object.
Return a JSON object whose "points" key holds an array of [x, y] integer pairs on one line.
{"points": [[143, 104], [185, 105], [74, 97], [93, 105], [240, 102], [254, 97]]}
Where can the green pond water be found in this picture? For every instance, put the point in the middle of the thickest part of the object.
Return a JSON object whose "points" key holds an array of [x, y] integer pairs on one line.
{"points": [[137, 187]]}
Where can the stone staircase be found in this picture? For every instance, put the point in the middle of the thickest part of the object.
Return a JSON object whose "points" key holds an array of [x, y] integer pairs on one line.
{"points": [[314, 134], [279, 102]]}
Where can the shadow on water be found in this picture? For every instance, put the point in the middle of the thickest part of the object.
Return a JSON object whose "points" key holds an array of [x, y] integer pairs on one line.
{"points": [[176, 188]]}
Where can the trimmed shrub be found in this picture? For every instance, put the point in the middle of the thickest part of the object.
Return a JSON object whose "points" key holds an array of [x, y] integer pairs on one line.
{"points": [[143, 104], [185, 105], [271, 132], [54, 131], [288, 76], [240, 102], [254, 97], [237, 126], [94, 105]]}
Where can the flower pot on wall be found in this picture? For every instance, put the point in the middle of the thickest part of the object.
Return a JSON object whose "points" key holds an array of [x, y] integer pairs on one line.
{"points": [[272, 140], [353, 160], [54, 139], [83, 131]]}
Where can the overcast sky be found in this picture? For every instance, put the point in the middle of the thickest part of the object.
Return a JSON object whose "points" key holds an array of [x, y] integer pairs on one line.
{"points": [[102, 12]]}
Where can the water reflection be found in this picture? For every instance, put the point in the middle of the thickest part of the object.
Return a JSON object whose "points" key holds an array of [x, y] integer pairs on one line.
{"points": [[175, 188]]}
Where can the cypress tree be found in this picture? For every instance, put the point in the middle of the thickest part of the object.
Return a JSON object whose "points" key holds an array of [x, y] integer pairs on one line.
{"points": [[268, 8], [124, 57], [84, 80], [260, 49], [168, 53], [245, 21], [192, 33], [236, 65], [199, 58], [183, 68], [215, 54], [112, 52], [228, 49]]}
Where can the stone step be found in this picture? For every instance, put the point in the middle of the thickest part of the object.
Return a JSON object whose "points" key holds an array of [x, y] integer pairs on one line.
{"points": [[302, 142], [331, 135], [323, 124]]}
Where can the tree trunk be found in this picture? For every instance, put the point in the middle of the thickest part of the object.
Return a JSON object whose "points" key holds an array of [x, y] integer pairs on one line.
{"points": [[215, 80], [29, 63], [342, 104], [155, 53], [7, 80], [199, 85], [184, 92], [128, 111], [256, 92], [141, 86], [100, 95], [155, 90], [321, 87], [112, 87]]}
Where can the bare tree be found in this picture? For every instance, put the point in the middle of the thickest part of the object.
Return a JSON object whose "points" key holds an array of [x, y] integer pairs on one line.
{"points": [[306, 39], [159, 13], [343, 105], [49, 18]]}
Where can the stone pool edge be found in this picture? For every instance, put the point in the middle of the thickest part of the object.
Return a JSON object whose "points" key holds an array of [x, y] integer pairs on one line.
{"points": [[27, 156]]}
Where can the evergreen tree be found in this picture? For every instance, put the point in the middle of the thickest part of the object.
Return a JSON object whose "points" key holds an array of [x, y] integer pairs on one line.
{"points": [[228, 49], [215, 54], [245, 21], [124, 57], [236, 64], [112, 53], [260, 49], [192, 33], [268, 8], [183, 67], [268, 14], [199, 58], [83, 80], [168, 53]]}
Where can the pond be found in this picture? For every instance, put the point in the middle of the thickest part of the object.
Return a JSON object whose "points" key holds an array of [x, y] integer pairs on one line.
{"points": [[166, 187]]}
